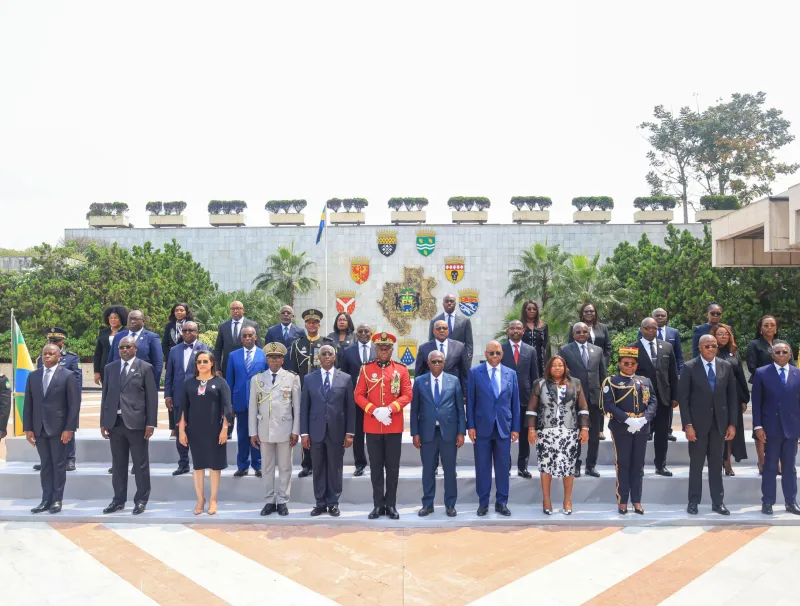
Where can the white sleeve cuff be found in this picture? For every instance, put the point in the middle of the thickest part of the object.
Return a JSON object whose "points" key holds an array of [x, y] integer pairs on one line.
{"points": [[303, 435], [759, 427], [583, 412], [531, 413]]}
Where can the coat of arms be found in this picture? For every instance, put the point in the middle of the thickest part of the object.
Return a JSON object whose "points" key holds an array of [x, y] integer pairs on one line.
{"points": [[468, 301], [345, 301], [454, 268], [407, 351], [359, 269], [426, 241], [405, 301], [387, 241]]}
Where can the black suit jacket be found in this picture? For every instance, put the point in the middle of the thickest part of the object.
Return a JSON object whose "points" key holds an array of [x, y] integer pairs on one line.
{"points": [[225, 344], [136, 395], [55, 411], [334, 414], [591, 378], [527, 370], [695, 395], [350, 362], [601, 338], [454, 364], [101, 350], [462, 332], [665, 377]]}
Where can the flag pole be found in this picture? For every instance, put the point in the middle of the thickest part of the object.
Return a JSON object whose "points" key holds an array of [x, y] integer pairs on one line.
{"points": [[327, 226], [13, 378]]}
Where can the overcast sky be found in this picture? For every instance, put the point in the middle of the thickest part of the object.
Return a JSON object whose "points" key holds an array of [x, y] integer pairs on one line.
{"points": [[194, 101]]}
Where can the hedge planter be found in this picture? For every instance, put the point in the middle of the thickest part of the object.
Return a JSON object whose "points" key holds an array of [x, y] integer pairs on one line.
{"points": [[287, 219], [470, 216], [227, 220], [347, 218], [653, 216], [530, 216], [591, 216], [408, 216], [168, 221], [100, 221], [707, 216]]}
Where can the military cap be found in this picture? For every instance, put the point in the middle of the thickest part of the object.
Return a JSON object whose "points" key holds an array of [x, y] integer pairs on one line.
{"points": [[629, 352], [384, 338], [275, 349], [312, 314], [55, 332]]}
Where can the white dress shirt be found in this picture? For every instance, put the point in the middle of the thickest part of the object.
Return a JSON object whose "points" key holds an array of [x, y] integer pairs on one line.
{"points": [[646, 344], [713, 365], [498, 379], [443, 345], [187, 353]]}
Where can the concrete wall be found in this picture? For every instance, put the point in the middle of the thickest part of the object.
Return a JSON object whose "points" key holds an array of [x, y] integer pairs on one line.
{"points": [[14, 263]]}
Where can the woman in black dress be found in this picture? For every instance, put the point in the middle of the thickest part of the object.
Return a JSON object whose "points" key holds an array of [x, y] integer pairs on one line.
{"points": [[536, 333], [344, 333], [728, 351], [173, 335], [206, 415], [115, 319]]}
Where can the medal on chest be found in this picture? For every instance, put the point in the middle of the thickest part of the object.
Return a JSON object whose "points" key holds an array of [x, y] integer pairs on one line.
{"points": [[395, 384]]}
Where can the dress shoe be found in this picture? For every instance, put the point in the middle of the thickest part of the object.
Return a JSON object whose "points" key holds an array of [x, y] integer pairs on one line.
{"points": [[524, 473], [304, 473], [376, 513], [793, 508], [41, 507], [71, 466], [502, 509], [766, 508], [602, 436], [113, 507], [483, 510], [240, 473], [663, 471], [268, 509], [672, 438], [391, 513], [334, 511], [547, 512], [578, 469], [638, 510], [180, 471], [139, 508], [110, 470], [283, 510], [258, 473], [451, 512], [318, 511], [38, 467], [425, 511], [691, 508], [720, 509], [591, 471], [622, 511], [55, 507], [358, 472]]}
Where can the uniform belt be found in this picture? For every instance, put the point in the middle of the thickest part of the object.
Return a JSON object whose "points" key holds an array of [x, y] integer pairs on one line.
{"points": [[635, 415]]}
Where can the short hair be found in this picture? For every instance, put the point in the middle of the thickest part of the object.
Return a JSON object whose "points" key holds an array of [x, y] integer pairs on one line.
{"points": [[189, 315], [350, 328], [434, 352], [578, 324], [515, 322], [548, 369], [712, 305], [120, 310], [331, 347], [780, 342], [283, 307], [641, 324]]}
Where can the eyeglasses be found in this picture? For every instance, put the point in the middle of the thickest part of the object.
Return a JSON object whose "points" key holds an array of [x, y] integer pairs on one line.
{"points": [[628, 363], [441, 328], [715, 313], [126, 347], [326, 354], [494, 353], [364, 331], [710, 346], [435, 362], [780, 352], [580, 332], [202, 361]]}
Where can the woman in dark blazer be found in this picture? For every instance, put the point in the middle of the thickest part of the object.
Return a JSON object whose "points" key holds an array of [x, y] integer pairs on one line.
{"points": [[598, 333], [115, 318], [343, 335], [536, 333], [173, 335]]}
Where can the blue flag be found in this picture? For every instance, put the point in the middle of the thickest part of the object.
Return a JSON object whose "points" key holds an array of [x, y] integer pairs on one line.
{"points": [[321, 225]]}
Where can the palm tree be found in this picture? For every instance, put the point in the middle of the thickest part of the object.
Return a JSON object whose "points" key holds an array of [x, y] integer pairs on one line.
{"points": [[285, 275], [259, 306], [540, 265]]}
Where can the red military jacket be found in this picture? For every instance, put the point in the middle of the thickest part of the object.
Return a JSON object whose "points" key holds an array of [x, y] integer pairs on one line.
{"points": [[389, 386]]}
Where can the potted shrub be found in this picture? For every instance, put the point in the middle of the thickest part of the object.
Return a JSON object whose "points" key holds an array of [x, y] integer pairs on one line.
{"points": [[715, 207], [353, 211], [166, 214], [654, 209], [531, 209], [286, 212], [592, 209], [108, 214], [413, 210], [227, 213], [469, 209]]}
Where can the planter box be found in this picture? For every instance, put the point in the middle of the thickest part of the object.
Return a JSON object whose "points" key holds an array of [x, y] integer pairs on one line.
{"points": [[470, 216], [227, 220], [287, 219], [653, 216], [530, 216], [109, 221], [408, 216], [707, 216], [347, 218], [591, 216], [168, 220]]}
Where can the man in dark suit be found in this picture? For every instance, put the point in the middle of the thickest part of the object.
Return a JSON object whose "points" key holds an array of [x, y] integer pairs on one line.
{"points": [[128, 417], [657, 363], [459, 328], [707, 380], [776, 422], [327, 425], [353, 358], [229, 336], [586, 362], [438, 425], [285, 331], [714, 314], [493, 419], [521, 358], [49, 419], [148, 344], [180, 365], [454, 352]]}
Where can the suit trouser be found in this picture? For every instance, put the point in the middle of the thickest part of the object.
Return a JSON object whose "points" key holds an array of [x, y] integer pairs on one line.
{"points": [[429, 453], [595, 427], [524, 446], [171, 417], [489, 449], [246, 453], [183, 451], [779, 447], [384, 455], [359, 453], [707, 446], [71, 450], [280, 453], [661, 427], [306, 460], [629, 452], [328, 470], [131, 442], [53, 476]]}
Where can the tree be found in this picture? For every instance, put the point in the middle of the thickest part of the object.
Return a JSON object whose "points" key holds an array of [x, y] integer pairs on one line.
{"points": [[285, 275], [214, 309], [534, 279]]}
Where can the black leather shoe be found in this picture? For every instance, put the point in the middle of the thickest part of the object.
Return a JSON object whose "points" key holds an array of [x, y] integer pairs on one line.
{"points": [[720, 509], [602, 436], [766, 508], [318, 511], [391, 513], [376, 513], [672, 438], [268, 509], [524, 473], [793, 508], [638, 510], [304, 473], [502, 509], [139, 508], [113, 507], [110, 470], [37, 467], [578, 469], [240, 473], [283, 510], [358, 472], [55, 507], [451, 512], [483, 510], [663, 471], [41, 507], [591, 471], [180, 471], [71, 466], [691, 508], [425, 511], [258, 473], [621, 511], [334, 511]]}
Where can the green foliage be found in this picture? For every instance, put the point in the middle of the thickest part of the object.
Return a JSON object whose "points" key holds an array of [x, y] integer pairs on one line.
{"points": [[285, 275], [209, 337], [531, 202], [719, 202], [534, 279], [214, 309], [467, 203], [102, 209], [276, 206], [154, 208], [620, 338], [655, 202], [11, 252], [349, 204], [593, 202], [227, 207], [410, 204]]}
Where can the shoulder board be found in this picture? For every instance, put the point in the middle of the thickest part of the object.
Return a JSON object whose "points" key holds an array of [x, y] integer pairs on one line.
{"points": [[69, 353], [291, 372]]}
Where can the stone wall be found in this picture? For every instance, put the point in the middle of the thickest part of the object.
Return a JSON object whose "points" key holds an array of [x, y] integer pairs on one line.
{"points": [[15, 263]]}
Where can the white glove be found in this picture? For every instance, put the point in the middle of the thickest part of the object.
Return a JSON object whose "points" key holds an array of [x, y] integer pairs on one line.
{"points": [[383, 415], [632, 424], [642, 422]]}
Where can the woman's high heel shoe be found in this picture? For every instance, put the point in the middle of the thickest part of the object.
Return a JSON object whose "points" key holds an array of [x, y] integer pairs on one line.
{"points": [[638, 510], [730, 472], [212, 508], [567, 511], [622, 511], [200, 507], [547, 511]]}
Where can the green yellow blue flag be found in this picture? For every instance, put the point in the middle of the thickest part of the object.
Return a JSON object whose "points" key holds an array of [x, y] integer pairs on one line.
{"points": [[321, 225], [22, 365]]}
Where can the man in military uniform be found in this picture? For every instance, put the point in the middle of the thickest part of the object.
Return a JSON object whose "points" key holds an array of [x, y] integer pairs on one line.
{"points": [[303, 358], [69, 360], [631, 402], [382, 390], [5, 404], [274, 422]]}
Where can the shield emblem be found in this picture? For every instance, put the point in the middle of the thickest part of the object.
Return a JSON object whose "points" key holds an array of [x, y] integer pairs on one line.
{"points": [[468, 301], [454, 268], [345, 301], [407, 351], [426, 242], [387, 241], [359, 269], [407, 301]]}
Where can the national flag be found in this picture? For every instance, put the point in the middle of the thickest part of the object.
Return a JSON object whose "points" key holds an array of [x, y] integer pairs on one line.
{"points": [[321, 225], [21, 365]]}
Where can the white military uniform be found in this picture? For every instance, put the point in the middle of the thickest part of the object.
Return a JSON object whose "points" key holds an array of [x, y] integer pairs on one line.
{"points": [[274, 415]]}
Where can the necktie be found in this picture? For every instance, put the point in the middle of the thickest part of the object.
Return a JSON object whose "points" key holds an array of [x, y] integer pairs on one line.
{"points": [[450, 324], [437, 395], [660, 335], [441, 348], [274, 377], [327, 384], [495, 386], [783, 376], [133, 336], [712, 377], [285, 333], [585, 356], [48, 374], [124, 369], [236, 330], [248, 360], [188, 345], [653, 352], [516, 353], [364, 354]]}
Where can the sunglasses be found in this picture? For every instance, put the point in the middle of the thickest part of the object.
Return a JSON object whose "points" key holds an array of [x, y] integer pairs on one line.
{"points": [[126, 347], [780, 352], [715, 313], [436, 362], [494, 353], [202, 361], [710, 346], [580, 332]]}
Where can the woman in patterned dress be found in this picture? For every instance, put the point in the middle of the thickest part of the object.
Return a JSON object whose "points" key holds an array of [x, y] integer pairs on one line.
{"points": [[556, 411]]}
